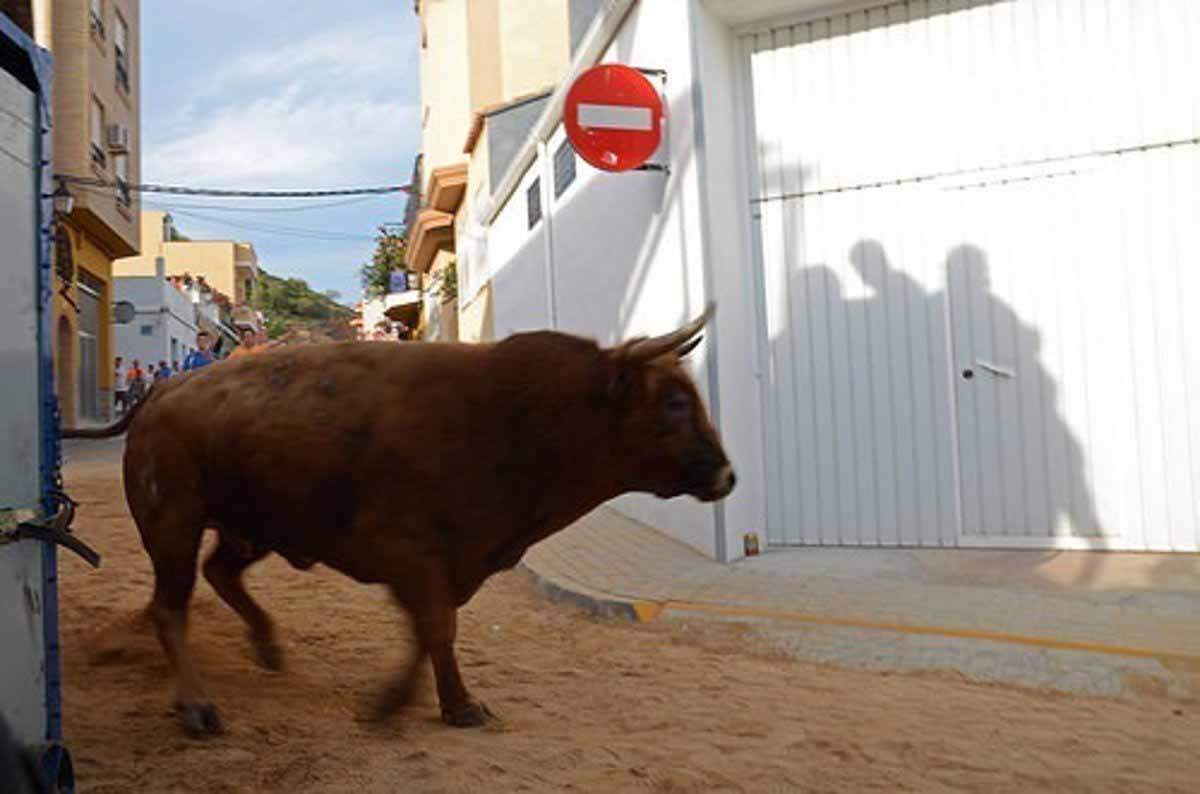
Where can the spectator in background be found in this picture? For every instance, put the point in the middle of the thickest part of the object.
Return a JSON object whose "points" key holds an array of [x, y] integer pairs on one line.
{"points": [[201, 357], [249, 344], [136, 383], [120, 386], [163, 372]]}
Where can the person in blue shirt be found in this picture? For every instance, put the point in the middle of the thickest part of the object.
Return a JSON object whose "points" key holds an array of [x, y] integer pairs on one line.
{"points": [[202, 357]]}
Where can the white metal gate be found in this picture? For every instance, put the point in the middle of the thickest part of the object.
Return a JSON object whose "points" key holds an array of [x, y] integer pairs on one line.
{"points": [[977, 220]]}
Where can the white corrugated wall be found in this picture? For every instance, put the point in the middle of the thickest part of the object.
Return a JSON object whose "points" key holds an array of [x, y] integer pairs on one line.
{"points": [[979, 239]]}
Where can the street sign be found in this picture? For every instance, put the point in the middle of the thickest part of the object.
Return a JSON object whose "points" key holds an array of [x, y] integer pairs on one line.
{"points": [[613, 117], [123, 312]]}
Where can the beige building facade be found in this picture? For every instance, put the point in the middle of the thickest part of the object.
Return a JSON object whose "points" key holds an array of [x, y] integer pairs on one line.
{"points": [[97, 96], [480, 60], [228, 266]]}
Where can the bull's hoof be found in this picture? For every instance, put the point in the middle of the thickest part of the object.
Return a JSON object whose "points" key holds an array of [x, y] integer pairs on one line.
{"points": [[472, 715], [268, 655], [200, 720]]}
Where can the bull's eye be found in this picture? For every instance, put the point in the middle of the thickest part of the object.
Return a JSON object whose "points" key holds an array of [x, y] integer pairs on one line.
{"points": [[677, 406]]}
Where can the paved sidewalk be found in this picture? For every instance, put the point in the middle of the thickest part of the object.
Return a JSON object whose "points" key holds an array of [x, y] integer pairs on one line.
{"points": [[1074, 621]]}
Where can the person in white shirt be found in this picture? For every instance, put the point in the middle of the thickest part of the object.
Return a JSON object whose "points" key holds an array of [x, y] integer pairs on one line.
{"points": [[121, 386]]}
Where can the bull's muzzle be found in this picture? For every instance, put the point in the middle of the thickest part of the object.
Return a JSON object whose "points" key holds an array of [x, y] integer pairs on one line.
{"points": [[720, 486]]}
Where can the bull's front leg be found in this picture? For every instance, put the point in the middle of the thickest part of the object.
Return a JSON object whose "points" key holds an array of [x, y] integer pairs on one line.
{"points": [[435, 631], [429, 600]]}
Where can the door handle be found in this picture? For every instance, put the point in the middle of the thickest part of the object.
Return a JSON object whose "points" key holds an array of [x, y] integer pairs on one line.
{"points": [[998, 371]]}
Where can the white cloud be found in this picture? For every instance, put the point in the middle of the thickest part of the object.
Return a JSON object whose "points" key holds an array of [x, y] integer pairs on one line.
{"points": [[295, 139], [325, 111], [357, 52]]}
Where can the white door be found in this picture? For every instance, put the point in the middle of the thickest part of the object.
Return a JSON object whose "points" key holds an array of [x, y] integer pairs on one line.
{"points": [[977, 220]]}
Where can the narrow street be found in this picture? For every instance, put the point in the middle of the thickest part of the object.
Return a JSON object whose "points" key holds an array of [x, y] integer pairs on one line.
{"points": [[587, 705]]}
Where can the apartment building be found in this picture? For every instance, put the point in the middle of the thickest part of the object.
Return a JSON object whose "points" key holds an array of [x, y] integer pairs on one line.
{"points": [[95, 44], [230, 267], [487, 67]]}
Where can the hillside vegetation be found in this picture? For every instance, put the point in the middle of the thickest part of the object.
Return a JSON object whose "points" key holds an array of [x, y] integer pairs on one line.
{"points": [[296, 312]]}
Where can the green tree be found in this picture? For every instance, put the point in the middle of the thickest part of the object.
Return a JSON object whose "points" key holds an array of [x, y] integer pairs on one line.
{"points": [[289, 303], [376, 275]]}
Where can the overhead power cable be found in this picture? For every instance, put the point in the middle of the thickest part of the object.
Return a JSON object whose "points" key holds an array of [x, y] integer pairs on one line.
{"points": [[302, 208], [286, 231], [326, 235], [91, 181]]}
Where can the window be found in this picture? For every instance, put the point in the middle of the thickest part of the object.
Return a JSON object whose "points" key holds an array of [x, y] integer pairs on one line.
{"points": [[121, 50], [564, 168], [249, 290], [96, 17], [147, 330], [534, 197], [121, 166], [97, 122]]}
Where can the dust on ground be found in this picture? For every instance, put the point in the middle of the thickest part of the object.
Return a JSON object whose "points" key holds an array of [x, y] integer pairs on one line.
{"points": [[586, 705]]}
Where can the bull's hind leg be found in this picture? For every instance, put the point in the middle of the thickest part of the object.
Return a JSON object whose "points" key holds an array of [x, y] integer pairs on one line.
{"points": [[223, 569], [399, 693], [173, 547]]}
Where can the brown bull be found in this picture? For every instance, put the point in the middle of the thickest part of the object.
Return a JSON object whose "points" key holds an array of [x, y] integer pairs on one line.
{"points": [[423, 467]]}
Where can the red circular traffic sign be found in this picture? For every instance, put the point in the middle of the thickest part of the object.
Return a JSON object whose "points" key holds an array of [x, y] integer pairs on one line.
{"points": [[613, 117]]}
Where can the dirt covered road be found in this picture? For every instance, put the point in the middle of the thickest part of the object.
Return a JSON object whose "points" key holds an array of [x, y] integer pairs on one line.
{"points": [[587, 705]]}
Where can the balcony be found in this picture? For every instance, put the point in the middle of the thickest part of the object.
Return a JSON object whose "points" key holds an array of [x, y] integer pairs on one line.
{"points": [[244, 316], [403, 307], [414, 198], [432, 231], [447, 186]]}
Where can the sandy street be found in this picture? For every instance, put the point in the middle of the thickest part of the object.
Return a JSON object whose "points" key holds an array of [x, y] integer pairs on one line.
{"points": [[586, 705]]}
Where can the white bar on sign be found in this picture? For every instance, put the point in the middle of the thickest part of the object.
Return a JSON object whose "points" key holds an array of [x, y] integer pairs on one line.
{"points": [[617, 117]]}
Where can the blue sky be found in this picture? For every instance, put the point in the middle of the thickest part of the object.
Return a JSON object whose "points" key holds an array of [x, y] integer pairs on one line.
{"points": [[282, 94]]}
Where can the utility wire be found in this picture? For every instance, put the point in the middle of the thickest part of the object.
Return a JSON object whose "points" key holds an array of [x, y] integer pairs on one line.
{"points": [[272, 229], [91, 181], [287, 231], [303, 208]]}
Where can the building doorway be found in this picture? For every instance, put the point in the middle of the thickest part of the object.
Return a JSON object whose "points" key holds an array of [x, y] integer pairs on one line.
{"points": [[64, 369]]}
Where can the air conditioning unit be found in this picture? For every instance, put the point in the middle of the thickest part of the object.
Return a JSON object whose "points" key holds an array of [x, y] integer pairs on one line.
{"points": [[118, 138]]}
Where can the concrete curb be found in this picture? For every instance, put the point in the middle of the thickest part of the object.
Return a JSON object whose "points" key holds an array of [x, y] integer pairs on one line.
{"points": [[593, 603], [1029, 662]]}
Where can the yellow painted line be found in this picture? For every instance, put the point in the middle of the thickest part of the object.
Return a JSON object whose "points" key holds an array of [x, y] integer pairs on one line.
{"points": [[650, 610]]}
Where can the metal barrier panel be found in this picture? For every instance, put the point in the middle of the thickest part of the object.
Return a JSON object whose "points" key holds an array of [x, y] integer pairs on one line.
{"points": [[22, 665], [30, 479]]}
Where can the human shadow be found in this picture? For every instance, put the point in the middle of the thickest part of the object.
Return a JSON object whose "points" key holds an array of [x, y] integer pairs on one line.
{"points": [[1024, 472], [876, 397]]}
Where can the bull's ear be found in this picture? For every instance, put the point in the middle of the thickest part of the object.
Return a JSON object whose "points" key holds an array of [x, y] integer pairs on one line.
{"points": [[620, 376]]}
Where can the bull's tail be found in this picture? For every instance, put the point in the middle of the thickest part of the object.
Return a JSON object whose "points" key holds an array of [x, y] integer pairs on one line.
{"points": [[115, 429]]}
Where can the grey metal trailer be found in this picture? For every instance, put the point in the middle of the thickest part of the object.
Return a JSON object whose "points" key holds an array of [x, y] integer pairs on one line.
{"points": [[34, 512]]}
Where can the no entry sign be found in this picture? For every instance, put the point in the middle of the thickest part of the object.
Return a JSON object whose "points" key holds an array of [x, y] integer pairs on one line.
{"points": [[613, 117]]}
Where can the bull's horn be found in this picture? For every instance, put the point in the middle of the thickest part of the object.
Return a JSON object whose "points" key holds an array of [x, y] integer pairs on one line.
{"points": [[646, 349]]}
